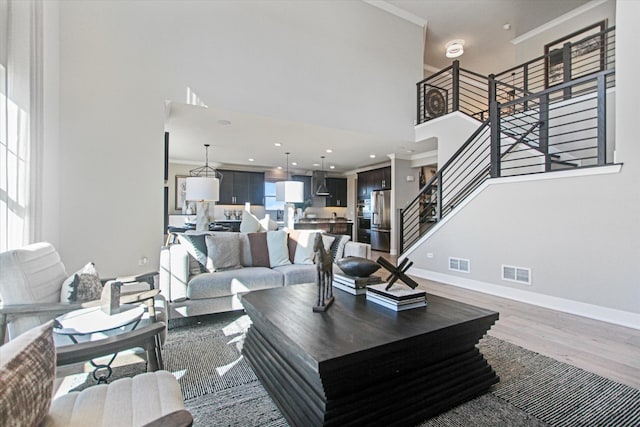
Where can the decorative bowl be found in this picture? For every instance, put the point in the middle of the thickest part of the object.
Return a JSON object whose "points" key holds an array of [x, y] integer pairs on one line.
{"points": [[357, 267]]}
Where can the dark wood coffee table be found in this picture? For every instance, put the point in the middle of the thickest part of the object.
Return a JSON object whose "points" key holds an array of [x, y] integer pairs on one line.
{"points": [[361, 364]]}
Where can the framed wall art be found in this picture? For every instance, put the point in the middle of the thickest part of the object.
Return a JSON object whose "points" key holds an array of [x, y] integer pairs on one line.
{"points": [[181, 191], [576, 55]]}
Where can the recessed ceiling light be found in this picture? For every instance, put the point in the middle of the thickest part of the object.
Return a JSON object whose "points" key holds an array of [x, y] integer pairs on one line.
{"points": [[507, 26], [316, 164], [224, 122], [277, 144], [332, 167], [373, 156], [251, 159], [280, 168], [329, 150], [411, 151], [294, 163]]}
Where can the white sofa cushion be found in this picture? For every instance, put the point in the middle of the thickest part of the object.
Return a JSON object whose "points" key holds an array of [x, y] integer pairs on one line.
{"points": [[304, 248], [225, 283], [125, 402], [278, 249]]}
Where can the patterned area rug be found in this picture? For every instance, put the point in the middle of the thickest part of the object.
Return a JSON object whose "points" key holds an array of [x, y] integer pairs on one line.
{"points": [[220, 388]]}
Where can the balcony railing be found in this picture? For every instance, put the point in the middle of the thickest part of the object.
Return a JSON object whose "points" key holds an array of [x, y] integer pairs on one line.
{"points": [[452, 89]]}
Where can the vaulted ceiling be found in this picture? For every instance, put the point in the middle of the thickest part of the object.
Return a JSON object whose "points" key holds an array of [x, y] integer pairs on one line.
{"points": [[488, 48]]}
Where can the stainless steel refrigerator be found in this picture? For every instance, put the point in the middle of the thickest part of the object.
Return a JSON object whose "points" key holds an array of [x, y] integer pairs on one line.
{"points": [[381, 220]]}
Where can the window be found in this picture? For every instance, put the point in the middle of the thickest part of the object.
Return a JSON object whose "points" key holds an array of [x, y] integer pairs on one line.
{"points": [[270, 202]]}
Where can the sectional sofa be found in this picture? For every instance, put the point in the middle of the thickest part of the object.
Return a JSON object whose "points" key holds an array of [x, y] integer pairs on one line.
{"points": [[209, 272]]}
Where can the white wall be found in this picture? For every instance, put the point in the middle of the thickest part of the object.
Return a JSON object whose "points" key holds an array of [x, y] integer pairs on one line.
{"points": [[51, 211], [579, 235], [403, 193], [533, 47], [339, 64], [451, 131]]}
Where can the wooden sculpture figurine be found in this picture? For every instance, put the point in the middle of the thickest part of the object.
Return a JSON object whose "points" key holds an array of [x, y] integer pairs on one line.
{"points": [[324, 267]]}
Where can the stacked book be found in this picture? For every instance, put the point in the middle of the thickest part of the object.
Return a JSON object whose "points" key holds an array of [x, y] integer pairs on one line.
{"points": [[354, 285], [397, 298]]}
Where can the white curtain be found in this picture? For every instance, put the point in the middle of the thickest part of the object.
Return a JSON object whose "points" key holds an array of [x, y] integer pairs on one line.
{"points": [[20, 121]]}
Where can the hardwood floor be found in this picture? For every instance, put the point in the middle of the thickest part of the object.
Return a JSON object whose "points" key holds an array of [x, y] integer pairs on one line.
{"points": [[602, 348]]}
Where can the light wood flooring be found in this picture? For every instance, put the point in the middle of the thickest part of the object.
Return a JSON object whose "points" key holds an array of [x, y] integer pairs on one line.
{"points": [[605, 349]]}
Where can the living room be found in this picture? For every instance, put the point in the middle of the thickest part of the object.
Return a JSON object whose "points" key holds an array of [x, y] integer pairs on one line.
{"points": [[110, 67]]}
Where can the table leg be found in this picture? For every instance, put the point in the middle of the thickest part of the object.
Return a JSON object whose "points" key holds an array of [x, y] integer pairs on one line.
{"points": [[102, 379]]}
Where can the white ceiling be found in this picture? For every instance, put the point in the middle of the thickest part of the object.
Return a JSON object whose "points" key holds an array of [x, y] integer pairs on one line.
{"points": [[250, 136], [487, 49]]}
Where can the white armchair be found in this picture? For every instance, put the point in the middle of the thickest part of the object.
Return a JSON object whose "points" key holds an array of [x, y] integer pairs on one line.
{"points": [[31, 279]]}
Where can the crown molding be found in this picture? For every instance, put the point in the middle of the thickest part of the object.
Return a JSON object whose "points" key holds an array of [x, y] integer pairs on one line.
{"points": [[557, 21], [400, 13]]}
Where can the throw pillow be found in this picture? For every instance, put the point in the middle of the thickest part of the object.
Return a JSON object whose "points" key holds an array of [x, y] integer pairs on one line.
{"points": [[196, 246], [268, 224], [27, 373], [223, 251], [84, 285], [259, 249], [337, 247], [250, 223], [304, 247], [292, 243], [277, 247]]}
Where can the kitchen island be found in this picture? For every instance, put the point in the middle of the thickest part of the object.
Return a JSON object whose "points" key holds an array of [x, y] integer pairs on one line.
{"points": [[330, 225]]}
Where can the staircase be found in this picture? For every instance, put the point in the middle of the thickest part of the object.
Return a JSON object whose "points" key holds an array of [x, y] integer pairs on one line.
{"points": [[531, 127]]}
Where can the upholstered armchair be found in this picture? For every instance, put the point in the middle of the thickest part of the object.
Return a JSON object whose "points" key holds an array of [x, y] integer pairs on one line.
{"points": [[27, 374], [31, 284]]}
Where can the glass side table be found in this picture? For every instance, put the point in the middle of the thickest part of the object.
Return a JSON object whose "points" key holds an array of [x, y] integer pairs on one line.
{"points": [[80, 324]]}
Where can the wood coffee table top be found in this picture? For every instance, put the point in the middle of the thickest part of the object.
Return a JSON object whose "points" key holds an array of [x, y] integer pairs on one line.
{"points": [[352, 326]]}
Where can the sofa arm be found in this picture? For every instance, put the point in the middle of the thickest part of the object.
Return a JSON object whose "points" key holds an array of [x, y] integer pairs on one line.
{"points": [[174, 272], [362, 250]]}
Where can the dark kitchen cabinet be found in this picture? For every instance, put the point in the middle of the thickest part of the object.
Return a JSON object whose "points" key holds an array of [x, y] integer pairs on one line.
{"points": [[376, 179], [338, 192], [239, 187]]}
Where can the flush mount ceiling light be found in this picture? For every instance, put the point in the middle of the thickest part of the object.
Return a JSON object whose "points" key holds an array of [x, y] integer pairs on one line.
{"points": [[455, 48]]}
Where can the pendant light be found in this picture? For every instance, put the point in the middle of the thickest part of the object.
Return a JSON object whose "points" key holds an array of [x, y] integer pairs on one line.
{"points": [[289, 191], [322, 188], [203, 186]]}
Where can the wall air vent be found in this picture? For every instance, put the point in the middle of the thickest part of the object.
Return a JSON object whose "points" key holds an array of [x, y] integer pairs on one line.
{"points": [[516, 274], [459, 264]]}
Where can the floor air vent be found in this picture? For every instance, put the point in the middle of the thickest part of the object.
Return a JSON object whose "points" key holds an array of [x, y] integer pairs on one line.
{"points": [[516, 274], [459, 264]]}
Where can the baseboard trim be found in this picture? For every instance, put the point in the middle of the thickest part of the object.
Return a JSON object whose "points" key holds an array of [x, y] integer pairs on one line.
{"points": [[591, 311]]}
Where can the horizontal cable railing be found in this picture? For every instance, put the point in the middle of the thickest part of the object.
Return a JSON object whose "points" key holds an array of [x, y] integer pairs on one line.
{"points": [[591, 54], [464, 171], [545, 115], [452, 89], [544, 132]]}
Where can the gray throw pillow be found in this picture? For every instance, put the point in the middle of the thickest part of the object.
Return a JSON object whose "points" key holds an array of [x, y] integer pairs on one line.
{"points": [[197, 248], [223, 251], [337, 247], [84, 285]]}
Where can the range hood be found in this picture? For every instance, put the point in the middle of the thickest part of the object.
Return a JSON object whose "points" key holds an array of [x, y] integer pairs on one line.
{"points": [[320, 184]]}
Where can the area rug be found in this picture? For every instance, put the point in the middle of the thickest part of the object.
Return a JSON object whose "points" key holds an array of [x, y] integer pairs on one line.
{"points": [[221, 389]]}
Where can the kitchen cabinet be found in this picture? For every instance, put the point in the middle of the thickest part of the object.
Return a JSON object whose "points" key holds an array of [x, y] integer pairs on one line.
{"points": [[376, 179], [338, 192], [240, 187]]}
